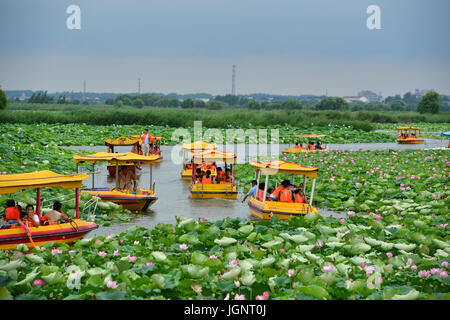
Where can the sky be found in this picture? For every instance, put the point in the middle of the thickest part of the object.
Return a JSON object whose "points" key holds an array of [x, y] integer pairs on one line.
{"points": [[189, 46]]}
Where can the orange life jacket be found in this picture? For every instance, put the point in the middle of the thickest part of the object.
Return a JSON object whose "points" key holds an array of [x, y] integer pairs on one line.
{"points": [[260, 195], [286, 195], [150, 137], [276, 193], [219, 175], [206, 180], [12, 213], [312, 147], [299, 198], [297, 147]]}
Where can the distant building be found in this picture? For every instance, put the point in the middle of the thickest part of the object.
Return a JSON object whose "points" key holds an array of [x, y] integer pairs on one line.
{"points": [[351, 99], [370, 95], [421, 92]]}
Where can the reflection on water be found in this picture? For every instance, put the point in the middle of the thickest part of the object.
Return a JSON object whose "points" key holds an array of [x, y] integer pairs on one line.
{"points": [[174, 196]]}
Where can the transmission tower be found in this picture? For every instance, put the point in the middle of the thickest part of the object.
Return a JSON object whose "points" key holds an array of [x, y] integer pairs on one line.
{"points": [[139, 85], [233, 81], [84, 90]]}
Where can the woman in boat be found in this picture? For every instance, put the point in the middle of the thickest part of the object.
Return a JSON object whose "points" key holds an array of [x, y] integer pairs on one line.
{"points": [[299, 196], [286, 194], [226, 178], [32, 217], [12, 212], [198, 175], [297, 146], [219, 174]]}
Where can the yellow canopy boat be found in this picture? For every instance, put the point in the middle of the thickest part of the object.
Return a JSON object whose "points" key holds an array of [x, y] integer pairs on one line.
{"points": [[283, 210], [406, 135], [188, 151], [303, 149], [38, 236], [223, 190], [155, 144], [128, 195], [122, 141]]}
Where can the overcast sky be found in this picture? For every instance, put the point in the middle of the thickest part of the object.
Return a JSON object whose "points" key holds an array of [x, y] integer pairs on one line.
{"points": [[188, 46]]}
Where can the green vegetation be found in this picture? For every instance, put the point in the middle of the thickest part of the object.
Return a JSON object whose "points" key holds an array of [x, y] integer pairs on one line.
{"points": [[3, 100], [429, 103]]}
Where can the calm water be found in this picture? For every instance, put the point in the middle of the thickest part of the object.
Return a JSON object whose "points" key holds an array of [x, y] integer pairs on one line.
{"points": [[174, 196]]}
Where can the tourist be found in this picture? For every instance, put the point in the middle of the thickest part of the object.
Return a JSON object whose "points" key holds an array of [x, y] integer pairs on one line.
{"points": [[33, 217], [146, 138], [56, 214], [253, 191], [207, 178]]}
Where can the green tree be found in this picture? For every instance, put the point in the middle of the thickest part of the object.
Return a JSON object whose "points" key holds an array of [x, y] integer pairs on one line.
{"points": [[199, 104], [3, 100], [187, 103], [76, 101], [138, 103], [331, 103], [214, 105], [290, 103], [429, 103], [86, 102], [119, 104], [254, 104], [109, 101]]}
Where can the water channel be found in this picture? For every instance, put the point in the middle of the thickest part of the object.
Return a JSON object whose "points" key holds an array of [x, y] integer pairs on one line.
{"points": [[173, 193]]}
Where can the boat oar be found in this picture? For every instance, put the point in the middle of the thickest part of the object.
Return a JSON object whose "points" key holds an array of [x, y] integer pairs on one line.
{"points": [[27, 230]]}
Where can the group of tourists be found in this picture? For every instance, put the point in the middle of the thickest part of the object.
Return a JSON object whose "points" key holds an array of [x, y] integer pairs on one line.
{"points": [[286, 192], [407, 136], [309, 146], [203, 174], [14, 216], [127, 178]]}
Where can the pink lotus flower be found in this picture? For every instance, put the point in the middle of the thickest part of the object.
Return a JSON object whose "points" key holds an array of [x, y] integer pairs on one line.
{"points": [[227, 297], [202, 219], [18, 254], [38, 283], [445, 264], [264, 296], [132, 259], [234, 261], [237, 284], [213, 256], [369, 270], [282, 250], [342, 221], [116, 253], [389, 255], [291, 272], [414, 267], [149, 264], [377, 217], [435, 271], [319, 244], [424, 273], [183, 246], [350, 213], [112, 284], [408, 263], [136, 242], [444, 274], [239, 297], [110, 237], [328, 268], [56, 251], [102, 254]]}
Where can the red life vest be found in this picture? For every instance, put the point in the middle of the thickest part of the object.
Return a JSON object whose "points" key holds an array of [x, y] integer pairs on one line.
{"points": [[299, 198], [312, 147], [260, 195], [286, 195], [12, 213], [206, 180], [297, 147], [219, 175], [276, 193]]}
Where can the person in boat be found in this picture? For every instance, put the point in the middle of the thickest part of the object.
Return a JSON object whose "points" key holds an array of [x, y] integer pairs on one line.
{"points": [[33, 217], [311, 146], [286, 194], [261, 187], [319, 145], [219, 174], [198, 175], [413, 136], [299, 196], [297, 146], [12, 212], [122, 179], [226, 177], [56, 214], [207, 178], [146, 139], [276, 193], [253, 191]]}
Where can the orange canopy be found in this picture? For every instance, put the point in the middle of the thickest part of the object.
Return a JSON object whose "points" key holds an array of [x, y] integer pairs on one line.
{"points": [[280, 166], [122, 141], [199, 145], [10, 183]]}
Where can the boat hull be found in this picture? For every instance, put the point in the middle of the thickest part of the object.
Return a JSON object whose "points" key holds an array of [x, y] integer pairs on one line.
{"points": [[294, 150], [282, 210], [210, 191], [62, 233], [410, 141], [140, 201]]}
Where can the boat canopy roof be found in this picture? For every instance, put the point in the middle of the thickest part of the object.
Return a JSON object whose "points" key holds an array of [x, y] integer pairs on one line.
{"points": [[408, 128], [308, 135], [138, 136], [199, 145], [121, 158], [214, 156], [280, 166], [122, 141], [445, 134], [10, 183]]}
